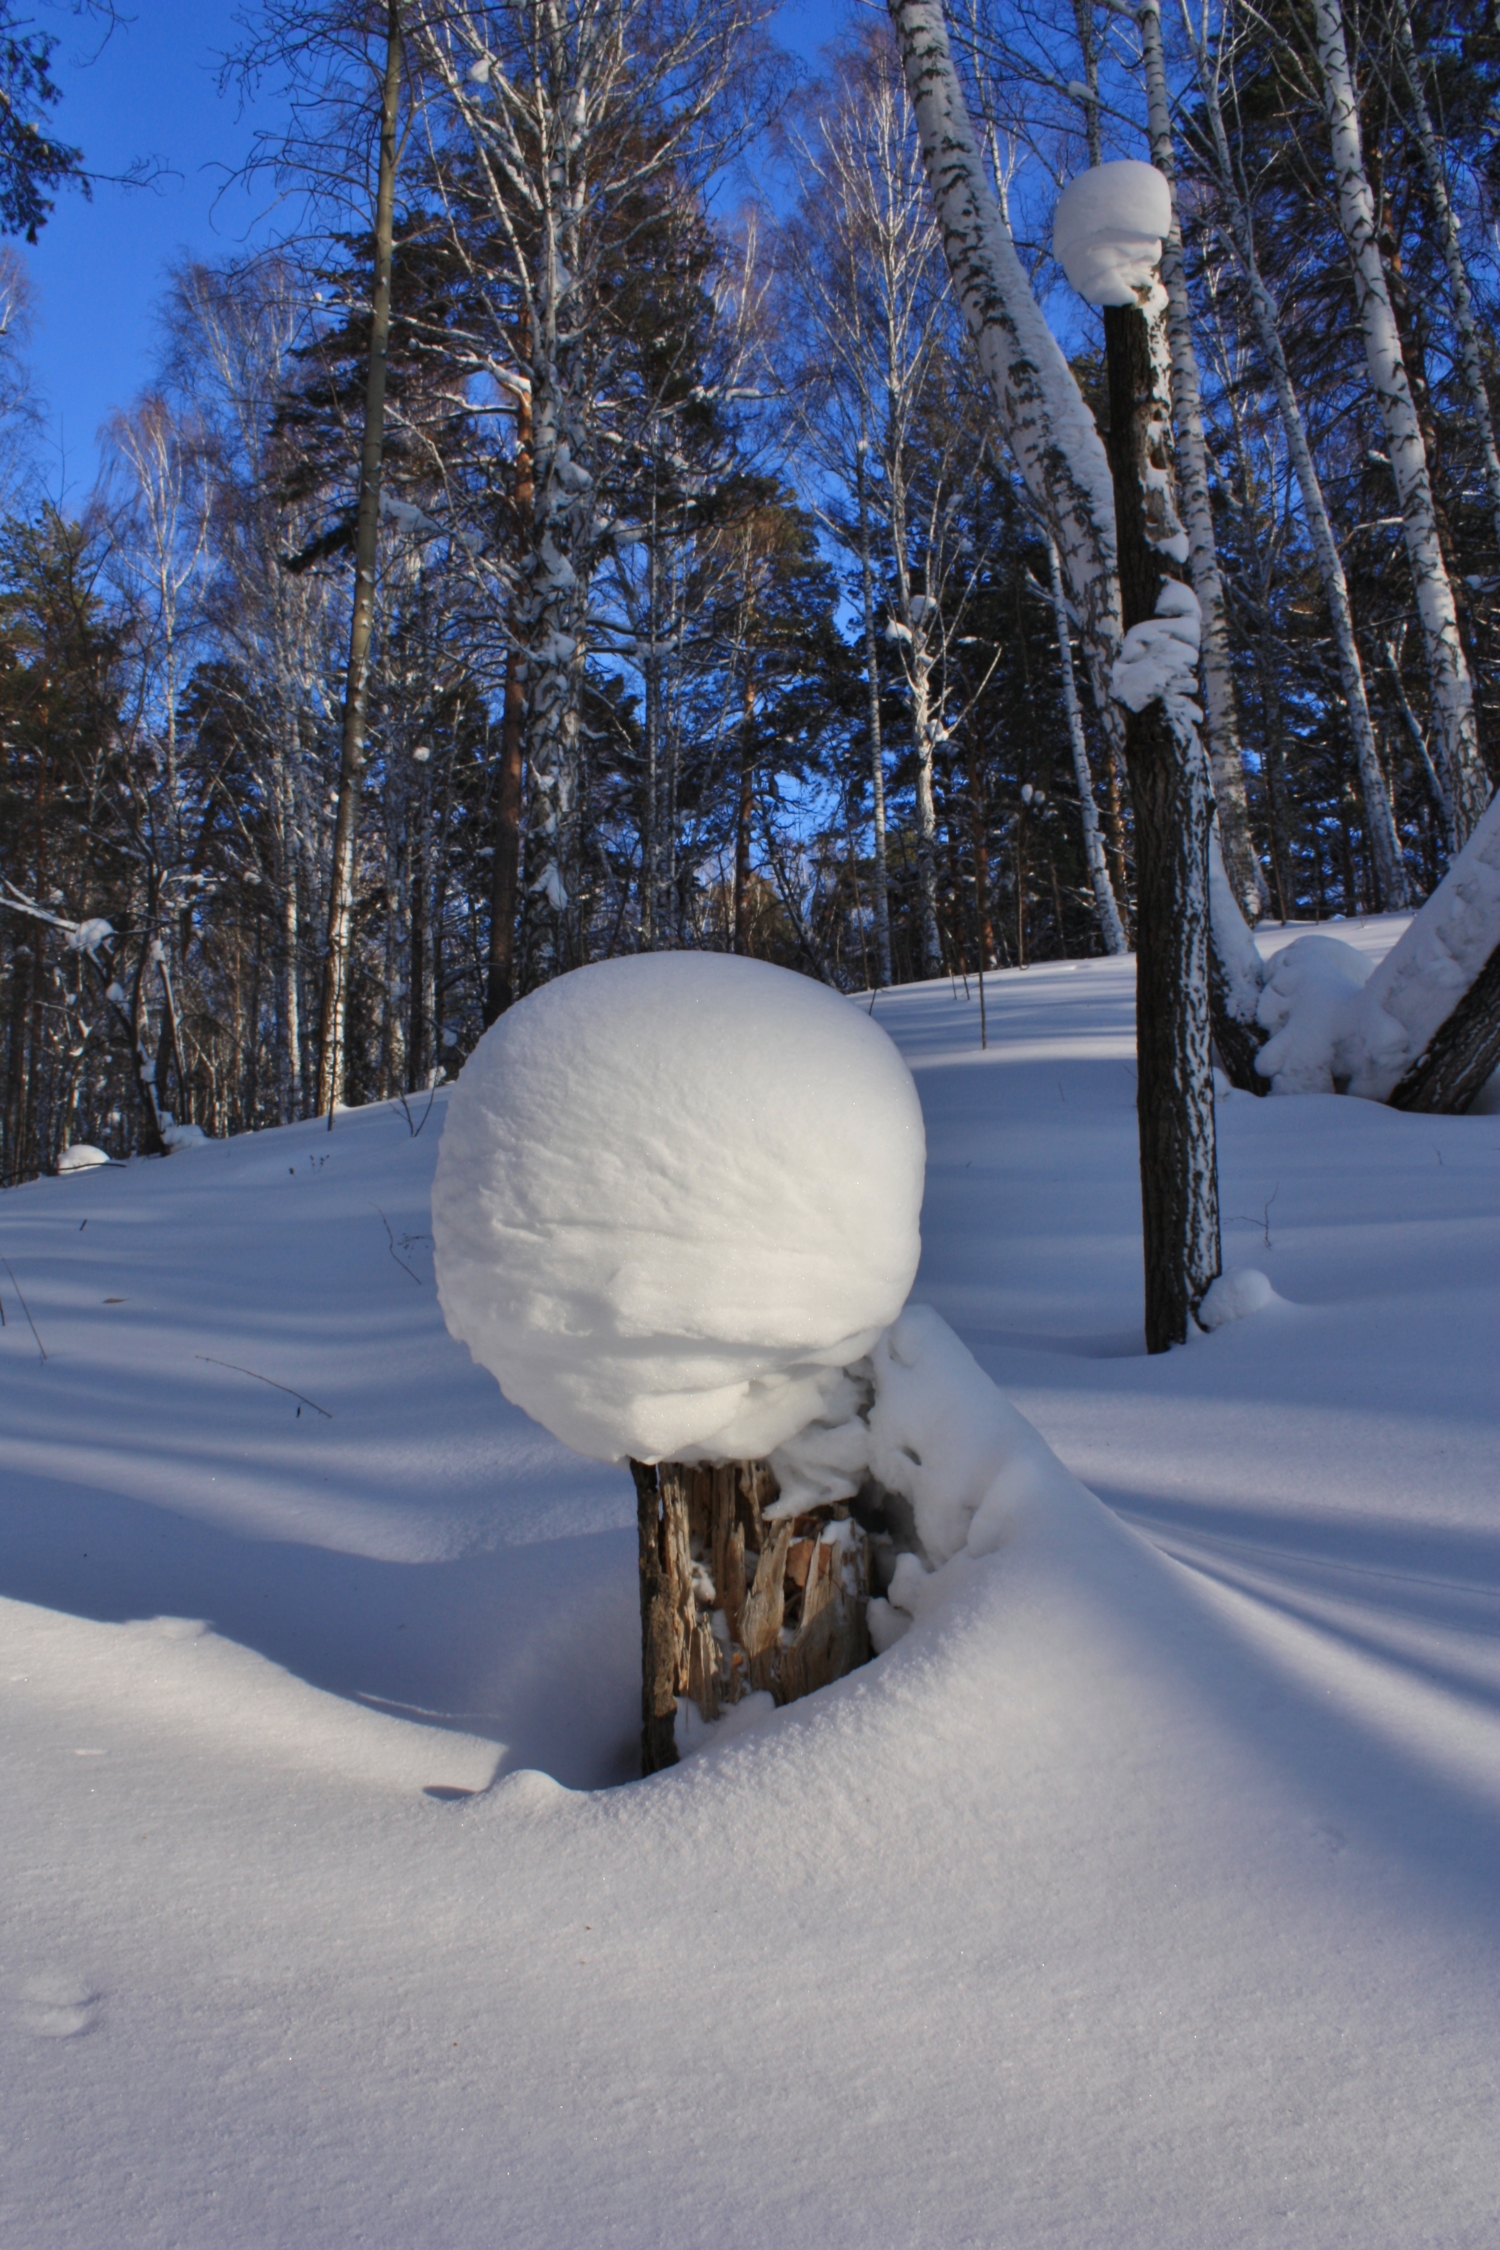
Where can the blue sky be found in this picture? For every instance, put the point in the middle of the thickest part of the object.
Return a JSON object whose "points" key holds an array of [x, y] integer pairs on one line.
{"points": [[97, 269]]}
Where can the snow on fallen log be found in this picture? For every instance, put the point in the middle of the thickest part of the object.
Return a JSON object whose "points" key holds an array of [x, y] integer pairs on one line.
{"points": [[1446, 957], [1420, 1031], [80, 1156]]}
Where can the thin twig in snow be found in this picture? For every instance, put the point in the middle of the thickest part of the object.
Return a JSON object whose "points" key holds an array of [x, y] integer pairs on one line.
{"points": [[26, 1309], [391, 1239], [1242, 1218], [255, 1378], [414, 1130]]}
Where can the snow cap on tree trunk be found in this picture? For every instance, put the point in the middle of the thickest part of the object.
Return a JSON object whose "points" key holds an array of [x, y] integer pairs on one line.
{"points": [[1108, 230], [677, 1194]]}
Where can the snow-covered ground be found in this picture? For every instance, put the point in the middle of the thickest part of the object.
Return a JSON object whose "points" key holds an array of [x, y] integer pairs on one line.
{"points": [[1144, 1893]]}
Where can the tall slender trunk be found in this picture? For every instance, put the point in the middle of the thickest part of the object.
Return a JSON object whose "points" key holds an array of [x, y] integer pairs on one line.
{"points": [[1088, 48], [1448, 673], [743, 809], [984, 920], [1105, 908], [1471, 361], [651, 678], [1169, 788], [1041, 411], [505, 867], [1221, 722], [1385, 847], [877, 747], [336, 964], [289, 1071], [922, 731], [555, 578]]}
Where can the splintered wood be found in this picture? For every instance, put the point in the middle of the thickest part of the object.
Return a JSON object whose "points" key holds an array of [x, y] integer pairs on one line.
{"points": [[734, 1600]]}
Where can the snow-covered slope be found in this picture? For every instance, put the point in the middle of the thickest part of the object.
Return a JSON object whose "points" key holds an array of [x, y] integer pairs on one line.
{"points": [[1143, 1893]]}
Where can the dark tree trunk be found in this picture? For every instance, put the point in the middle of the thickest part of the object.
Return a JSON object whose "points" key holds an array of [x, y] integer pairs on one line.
{"points": [[505, 868], [1463, 1053], [1170, 795], [741, 934], [1238, 1043], [337, 962]]}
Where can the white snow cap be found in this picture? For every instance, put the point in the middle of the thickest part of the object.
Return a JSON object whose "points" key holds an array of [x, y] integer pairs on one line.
{"points": [[677, 1194], [1235, 1296], [1159, 657], [1108, 230], [81, 1157]]}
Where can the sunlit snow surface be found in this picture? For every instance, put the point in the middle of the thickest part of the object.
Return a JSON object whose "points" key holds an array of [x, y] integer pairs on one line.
{"points": [[1144, 1893]]}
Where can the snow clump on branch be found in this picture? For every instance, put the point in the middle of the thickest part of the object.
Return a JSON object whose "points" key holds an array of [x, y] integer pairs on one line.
{"points": [[1108, 229], [677, 1195], [1159, 657]]}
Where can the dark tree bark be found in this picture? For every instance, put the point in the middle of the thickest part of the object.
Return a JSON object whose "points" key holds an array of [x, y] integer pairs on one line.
{"points": [[740, 939], [1169, 789], [505, 868], [1463, 1053], [659, 1625], [1238, 1043]]}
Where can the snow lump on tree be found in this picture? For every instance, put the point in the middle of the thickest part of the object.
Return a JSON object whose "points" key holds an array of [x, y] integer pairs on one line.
{"points": [[1110, 224], [677, 1194]]}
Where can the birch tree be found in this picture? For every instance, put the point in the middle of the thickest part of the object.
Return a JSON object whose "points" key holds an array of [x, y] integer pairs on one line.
{"points": [[1470, 353], [336, 964], [1448, 672], [1234, 215], [1168, 769], [581, 121], [1221, 721], [1106, 906], [232, 331]]}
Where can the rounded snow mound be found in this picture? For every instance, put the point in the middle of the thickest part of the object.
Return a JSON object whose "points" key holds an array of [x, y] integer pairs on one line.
{"points": [[676, 1194], [1108, 229], [81, 1157], [1235, 1296]]}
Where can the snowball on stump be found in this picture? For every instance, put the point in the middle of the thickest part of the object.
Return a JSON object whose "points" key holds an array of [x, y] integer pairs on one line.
{"points": [[1108, 229], [676, 1194]]}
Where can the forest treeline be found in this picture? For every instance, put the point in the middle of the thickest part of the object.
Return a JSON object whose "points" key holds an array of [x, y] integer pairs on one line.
{"points": [[706, 603]]}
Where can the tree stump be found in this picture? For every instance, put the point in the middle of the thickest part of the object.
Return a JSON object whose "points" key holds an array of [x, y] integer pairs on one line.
{"points": [[735, 1597]]}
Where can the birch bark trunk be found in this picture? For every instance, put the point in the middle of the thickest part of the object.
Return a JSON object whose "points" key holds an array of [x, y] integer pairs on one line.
{"points": [[334, 1008], [1105, 907], [1385, 847], [1042, 412], [1221, 720], [1470, 357], [1448, 673], [877, 747], [920, 679]]}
